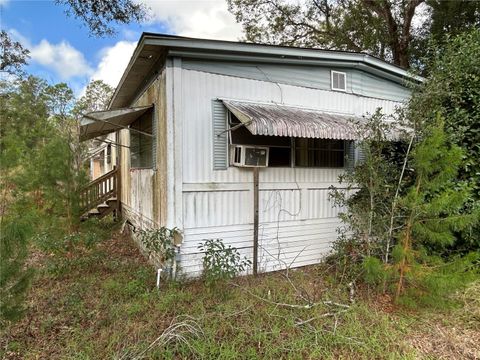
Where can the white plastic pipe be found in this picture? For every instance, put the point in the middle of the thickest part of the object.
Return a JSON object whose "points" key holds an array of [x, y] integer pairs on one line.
{"points": [[159, 273]]}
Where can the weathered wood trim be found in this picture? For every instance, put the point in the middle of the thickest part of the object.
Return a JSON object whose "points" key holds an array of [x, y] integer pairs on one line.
{"points": [[170, 144], [178, 142], [156, 94]]}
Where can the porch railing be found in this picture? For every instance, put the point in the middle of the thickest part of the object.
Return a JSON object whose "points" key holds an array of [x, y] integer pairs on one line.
{"points": [[100, 190]]}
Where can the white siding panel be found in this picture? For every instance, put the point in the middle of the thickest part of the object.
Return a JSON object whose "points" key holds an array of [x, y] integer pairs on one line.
{"points": [[280, 205], [281, 244], [200, 88], [297, 220], [319, 205], [217, 208], [140, 209]]}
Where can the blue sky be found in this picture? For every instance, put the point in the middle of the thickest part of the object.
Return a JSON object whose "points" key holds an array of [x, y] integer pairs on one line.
{"points": [[63, 51]]}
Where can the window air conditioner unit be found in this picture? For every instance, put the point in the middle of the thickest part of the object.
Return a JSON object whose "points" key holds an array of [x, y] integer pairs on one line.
{"points": [[249, 156]]}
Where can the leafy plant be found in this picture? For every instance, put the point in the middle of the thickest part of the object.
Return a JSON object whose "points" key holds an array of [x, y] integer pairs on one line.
{"points": [[160, 243], [366, 195], [221, 262]]}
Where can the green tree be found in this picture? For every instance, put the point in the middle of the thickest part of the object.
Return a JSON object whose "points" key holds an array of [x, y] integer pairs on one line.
{"points": [[22, 108], [389, 29], [453, 90], [12, 54], [14, 276], [99, 14], [40, 179], [452, 17], [433, 205], [96, 98]]}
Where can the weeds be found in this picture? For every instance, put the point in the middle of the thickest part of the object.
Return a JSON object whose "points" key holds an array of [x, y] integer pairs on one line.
{"points": [[107, 305]]}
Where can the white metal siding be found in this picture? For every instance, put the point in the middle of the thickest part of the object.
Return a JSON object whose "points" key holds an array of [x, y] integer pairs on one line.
{"points": [[297, 221], [140, 209]]}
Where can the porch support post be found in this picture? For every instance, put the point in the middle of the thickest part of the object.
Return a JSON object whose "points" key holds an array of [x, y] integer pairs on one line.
{"points": [[255, 220]]}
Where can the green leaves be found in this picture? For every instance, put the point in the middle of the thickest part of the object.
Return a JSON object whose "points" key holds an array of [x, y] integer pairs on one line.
{"points": [[221, 262], [160, 243]]}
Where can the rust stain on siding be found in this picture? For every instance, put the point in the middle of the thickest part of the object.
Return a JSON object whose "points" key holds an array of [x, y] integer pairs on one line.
{"points": [[155, 94]]}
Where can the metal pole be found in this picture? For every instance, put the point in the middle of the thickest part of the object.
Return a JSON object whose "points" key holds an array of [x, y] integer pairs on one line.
{"points": [[255, 220]]}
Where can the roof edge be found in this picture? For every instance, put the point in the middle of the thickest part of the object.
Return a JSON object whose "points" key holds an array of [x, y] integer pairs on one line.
{"points": [[218, 47]]}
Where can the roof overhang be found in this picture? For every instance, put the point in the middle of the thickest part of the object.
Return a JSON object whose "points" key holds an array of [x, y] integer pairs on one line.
{"points": [[101, 123], [281, 120], [153, 49]]}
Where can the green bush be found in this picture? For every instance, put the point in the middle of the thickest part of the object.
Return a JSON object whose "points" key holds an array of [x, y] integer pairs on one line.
{"points": [[221, 262]]}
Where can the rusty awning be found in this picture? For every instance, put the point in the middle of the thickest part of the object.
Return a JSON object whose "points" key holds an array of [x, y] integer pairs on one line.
{"points": [[100, 123], [281, 120]]}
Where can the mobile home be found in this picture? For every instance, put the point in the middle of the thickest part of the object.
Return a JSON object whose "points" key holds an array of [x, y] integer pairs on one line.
{"points": [[196, 121]]}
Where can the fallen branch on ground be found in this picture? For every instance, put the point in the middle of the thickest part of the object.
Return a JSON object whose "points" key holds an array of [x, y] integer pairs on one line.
{"points": [[293, 306], [303, 322]]}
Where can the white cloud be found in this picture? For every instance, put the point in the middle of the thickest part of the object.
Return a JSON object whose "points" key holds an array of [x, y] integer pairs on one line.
{"points": [[113, 62], [66, 61], [4, 2], [62, 58], [196, 18]]}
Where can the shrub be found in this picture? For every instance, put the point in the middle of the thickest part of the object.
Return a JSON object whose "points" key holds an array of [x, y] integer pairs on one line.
{"points": [[221, 262], [160, 243]]}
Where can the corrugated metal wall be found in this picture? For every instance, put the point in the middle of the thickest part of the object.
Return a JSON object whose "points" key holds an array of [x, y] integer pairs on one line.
{"points": [[317, 77], [297, 221]]}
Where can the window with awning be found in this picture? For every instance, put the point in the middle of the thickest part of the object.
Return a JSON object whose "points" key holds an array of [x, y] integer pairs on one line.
{"points": [[138, 120], [295, 136]]}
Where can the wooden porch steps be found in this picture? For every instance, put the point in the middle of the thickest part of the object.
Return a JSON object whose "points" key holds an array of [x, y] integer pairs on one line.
{"points": [[102, 210], [100, 197]]}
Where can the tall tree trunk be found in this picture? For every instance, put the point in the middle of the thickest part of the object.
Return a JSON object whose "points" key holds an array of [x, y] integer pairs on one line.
{"points": [[407, 242], [399, 33]]}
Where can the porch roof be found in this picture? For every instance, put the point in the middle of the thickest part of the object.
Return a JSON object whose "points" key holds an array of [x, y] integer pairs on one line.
{"points": [[281, 120], [100, 123]]}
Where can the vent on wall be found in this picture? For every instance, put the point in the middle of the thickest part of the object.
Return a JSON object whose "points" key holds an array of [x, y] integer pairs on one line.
{"points": [[339, 81]]}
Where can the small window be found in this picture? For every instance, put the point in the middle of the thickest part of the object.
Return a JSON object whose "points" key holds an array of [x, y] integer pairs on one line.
{"points": [[339, 81], [141, 145], [319, 153]]}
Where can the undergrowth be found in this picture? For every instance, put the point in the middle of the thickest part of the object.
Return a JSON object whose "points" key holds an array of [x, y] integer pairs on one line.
{"points": [[100, 301]]}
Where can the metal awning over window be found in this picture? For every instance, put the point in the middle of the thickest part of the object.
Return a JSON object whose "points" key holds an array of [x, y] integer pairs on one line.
{"points": [[100, 123], [280, 120]]}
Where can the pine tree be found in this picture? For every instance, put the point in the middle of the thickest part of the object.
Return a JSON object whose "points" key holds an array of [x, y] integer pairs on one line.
{"points": [[39, 178], [433, 204], [14, 276]]}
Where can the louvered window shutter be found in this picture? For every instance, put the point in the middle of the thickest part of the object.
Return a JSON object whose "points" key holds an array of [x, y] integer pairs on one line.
{"points": [[359, 154], [220, 136], [349, 155]]}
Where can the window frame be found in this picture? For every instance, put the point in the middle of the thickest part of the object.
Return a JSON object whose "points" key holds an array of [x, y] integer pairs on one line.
{"points": [[293, 147], [152, 146], [332, 72], [313, 148]]}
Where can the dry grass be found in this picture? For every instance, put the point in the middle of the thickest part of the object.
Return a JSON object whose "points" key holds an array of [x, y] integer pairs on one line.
{"points": [[102, 303]]}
